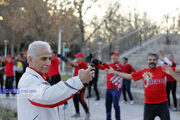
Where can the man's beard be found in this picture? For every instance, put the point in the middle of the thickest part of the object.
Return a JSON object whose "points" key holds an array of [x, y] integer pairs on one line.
{"points": [[152, 65]]}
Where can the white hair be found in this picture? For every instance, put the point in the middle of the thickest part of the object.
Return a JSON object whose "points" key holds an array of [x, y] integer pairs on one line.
{"points": [[36, 45]]}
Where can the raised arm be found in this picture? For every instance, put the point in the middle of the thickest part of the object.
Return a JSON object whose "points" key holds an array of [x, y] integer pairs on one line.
{"points": [[121, 74], [165, 59]]}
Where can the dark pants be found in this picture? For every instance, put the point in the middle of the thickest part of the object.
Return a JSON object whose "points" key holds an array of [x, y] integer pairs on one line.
{"points": [[54, 79], [153, 110], [113, 96], [1, 81], [171, 86], [79, 97], [127, 88], [18, 76], [94, 83], [9, 84]]}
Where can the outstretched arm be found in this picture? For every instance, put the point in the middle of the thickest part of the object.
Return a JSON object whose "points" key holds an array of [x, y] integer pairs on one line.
{"points": [[72, 63], [169, 71], [68, 62], [121, 74], [177, 69]]}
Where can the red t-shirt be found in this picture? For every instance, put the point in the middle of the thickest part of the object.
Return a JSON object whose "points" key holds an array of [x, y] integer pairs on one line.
{"points": [[168, 77], [128, 68], [154, 84], [54, 68], [81, 65], [113, 81], [9, 68]]}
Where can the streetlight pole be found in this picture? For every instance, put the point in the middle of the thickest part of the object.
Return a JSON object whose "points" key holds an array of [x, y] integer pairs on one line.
{"points": [[59, 44], [5, 47], [59, 41], [63, 64], [99, 50]]}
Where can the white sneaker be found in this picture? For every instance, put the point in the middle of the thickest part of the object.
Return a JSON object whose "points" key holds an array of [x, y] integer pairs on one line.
{"points": [[87, 116], [174, 109], [76, 115], [124, 102], [131, 102]]}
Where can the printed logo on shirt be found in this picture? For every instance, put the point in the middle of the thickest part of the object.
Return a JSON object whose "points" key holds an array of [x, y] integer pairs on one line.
{"points": [[147, 77], [149, 81]]}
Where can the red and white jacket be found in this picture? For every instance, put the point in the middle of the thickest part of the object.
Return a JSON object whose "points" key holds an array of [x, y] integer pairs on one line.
{"points": [[113, 81], [38, 100]]}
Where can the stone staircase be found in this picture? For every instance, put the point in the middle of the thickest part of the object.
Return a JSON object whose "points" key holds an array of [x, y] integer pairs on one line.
{"points": [[138, 59]]}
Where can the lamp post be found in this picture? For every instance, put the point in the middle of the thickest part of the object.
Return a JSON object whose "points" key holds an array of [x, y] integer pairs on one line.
{"points": [[59, 44], [5, 47], [63, 64], [99, 50]]}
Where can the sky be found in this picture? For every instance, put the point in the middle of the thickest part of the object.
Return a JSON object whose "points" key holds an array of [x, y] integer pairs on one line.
{"points": [[154, 8]]}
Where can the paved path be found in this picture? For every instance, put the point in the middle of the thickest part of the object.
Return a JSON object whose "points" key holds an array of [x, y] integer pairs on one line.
{"points": [[97, 110]]}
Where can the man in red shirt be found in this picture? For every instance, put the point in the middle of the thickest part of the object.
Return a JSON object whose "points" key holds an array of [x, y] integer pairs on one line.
{"points": [[171, 83], [53, 75], [9, 64], [114, 85], [127, 83], [155, 88], [79, 97], [171, 72]]}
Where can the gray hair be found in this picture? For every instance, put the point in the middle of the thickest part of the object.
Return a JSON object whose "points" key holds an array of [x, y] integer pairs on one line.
{"points": [[171, 55], [35, 45]]}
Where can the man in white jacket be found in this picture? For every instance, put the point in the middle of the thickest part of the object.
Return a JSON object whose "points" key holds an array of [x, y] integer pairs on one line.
{"points": [[37, 99]]}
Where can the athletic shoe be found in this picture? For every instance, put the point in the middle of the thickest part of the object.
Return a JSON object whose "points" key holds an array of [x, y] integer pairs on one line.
{"points": [[174, 109], [97, 99], [87, 116], [124, 102], [131, 102], [76, 115], [89, 96]]}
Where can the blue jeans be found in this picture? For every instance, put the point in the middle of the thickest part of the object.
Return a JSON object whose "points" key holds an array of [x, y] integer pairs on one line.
{"points": [[127, 88], [113, 96]]}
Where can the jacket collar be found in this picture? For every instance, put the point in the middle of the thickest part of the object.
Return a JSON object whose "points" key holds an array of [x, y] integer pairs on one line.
{"points": [[34, 72]]}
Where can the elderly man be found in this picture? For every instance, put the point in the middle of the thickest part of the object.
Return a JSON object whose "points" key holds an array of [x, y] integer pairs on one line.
{"points": [[37, 99]]}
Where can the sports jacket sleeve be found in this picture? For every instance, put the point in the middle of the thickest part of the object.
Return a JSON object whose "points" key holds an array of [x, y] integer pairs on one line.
{"points": [[102, 67], [44, 95], [165, 60]]}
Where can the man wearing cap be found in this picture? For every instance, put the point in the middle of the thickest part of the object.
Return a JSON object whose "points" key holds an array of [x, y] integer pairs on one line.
{"points": [[154, 87], [79, 97], [9, 63], [114, 85]]}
